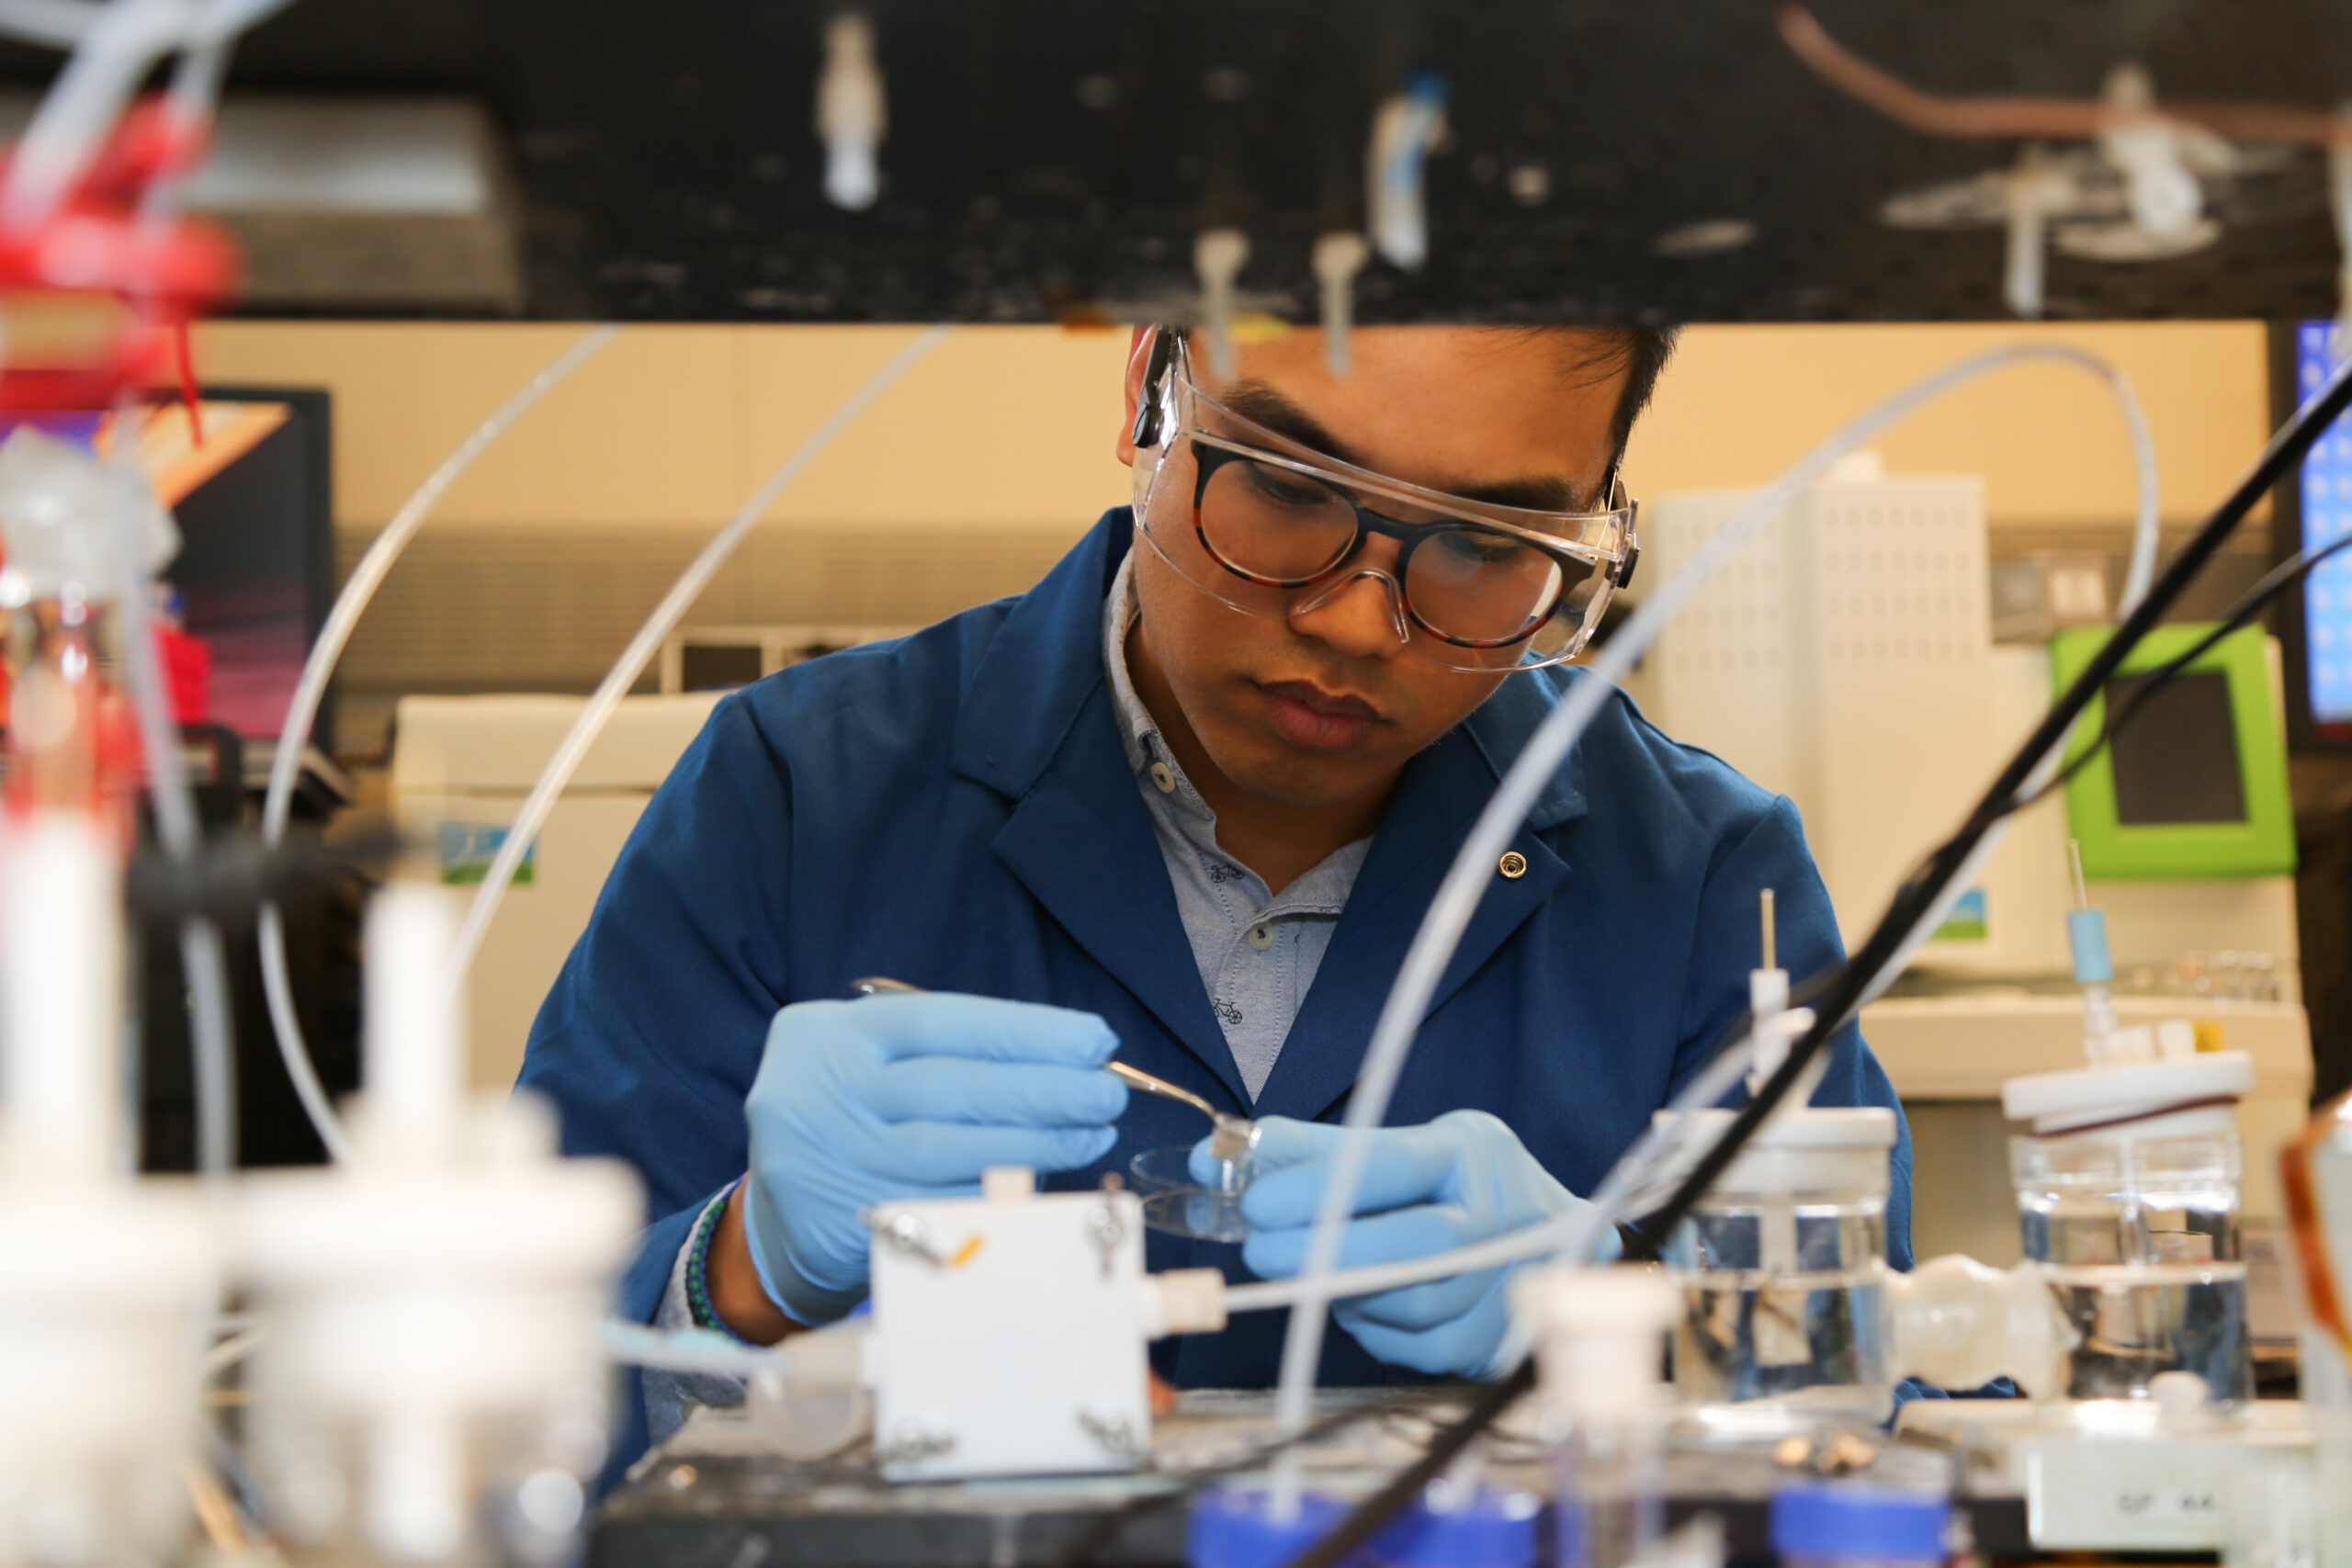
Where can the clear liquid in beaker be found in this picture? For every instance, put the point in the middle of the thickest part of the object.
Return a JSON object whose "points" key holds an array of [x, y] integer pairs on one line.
{"points": [[2134, 1322], [1804, 1345]]}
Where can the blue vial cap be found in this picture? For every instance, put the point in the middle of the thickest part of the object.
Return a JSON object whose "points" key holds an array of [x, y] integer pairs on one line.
{"points": [[1490, 1528], [2087, 934], [1831, 1523], [1232, 1527]]}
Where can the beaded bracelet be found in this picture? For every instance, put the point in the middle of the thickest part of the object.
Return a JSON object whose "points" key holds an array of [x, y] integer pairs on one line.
{"points": [[698, 1301]]}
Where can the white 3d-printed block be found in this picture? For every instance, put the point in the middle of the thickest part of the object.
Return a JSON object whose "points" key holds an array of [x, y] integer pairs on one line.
{"points": [[1010, 1336]]}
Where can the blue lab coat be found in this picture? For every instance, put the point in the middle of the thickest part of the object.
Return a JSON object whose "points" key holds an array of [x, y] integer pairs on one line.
{"points": [[953, 809]]}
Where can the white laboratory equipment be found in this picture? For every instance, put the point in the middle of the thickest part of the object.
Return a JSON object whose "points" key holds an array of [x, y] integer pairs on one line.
{"points": [[107, 1277], [430, 1385], [1010, 1331], [1598, 1336], [461, 767]]}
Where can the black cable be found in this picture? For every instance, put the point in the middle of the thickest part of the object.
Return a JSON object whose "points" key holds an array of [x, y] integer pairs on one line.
{"points": [[1092, 1543], [1886, 940], [1365, 1519]]}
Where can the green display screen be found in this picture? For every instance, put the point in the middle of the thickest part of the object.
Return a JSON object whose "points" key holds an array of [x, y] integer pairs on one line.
{"points": [[2178, 760]]}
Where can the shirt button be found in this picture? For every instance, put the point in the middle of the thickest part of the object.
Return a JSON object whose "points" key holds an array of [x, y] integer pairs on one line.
{"points": [[1261, 936], [1162, 779], [1513, 865]]}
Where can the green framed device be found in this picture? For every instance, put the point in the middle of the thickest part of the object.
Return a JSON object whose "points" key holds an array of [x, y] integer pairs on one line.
{"points": [[2196, 784]]}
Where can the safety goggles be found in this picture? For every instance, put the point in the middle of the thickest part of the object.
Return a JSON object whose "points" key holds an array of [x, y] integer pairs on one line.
{"points": [[1274, 528]]}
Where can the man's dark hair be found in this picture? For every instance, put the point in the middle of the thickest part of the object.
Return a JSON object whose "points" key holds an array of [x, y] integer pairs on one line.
{"points": [[1643, 352], [1595, 353]]}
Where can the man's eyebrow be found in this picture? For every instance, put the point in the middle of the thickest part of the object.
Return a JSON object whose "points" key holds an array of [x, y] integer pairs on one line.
{"points": [[1262, 404]]}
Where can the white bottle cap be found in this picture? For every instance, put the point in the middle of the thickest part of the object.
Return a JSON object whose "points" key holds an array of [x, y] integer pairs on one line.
{"points": [[1814, 1149], [1600, 1335], [2082, 1098]]}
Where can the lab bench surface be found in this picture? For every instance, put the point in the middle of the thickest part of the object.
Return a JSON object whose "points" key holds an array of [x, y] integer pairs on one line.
{"points": [[711, 1497]]}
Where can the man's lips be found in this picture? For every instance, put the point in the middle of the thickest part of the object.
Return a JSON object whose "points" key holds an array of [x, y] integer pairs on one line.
{"points": [[1305, 715]]}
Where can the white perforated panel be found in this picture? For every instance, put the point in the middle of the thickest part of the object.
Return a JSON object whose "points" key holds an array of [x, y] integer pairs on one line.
{"points": [[1841, 660]]}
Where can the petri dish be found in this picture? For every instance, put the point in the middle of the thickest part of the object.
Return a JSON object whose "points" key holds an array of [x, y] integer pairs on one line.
{"points": [[1175, 1203]]}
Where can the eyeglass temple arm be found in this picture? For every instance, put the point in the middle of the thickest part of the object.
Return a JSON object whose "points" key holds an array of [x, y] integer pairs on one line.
{"points": [[1155, 374]]}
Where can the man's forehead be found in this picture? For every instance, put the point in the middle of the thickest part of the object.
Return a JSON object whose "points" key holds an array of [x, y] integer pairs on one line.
{"points": [[1536, 484]]}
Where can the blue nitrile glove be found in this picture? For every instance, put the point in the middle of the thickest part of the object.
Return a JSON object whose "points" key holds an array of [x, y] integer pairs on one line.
{"points": [[907, 1097], [1459, 1180]]}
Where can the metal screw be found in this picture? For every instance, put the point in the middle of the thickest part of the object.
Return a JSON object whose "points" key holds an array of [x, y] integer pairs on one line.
{"points": [[1112, 1431]]}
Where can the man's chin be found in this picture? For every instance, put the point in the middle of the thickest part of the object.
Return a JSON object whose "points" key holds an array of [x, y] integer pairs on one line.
{"points": [[1305, 782]]}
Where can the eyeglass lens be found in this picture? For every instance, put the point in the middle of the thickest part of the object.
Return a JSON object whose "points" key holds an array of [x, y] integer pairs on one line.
{"points": [[1281, 529]]}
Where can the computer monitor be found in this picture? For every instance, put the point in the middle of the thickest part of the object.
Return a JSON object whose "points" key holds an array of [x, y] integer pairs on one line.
{"points": [[2312, 509], [255, 571], [2195, 783]]}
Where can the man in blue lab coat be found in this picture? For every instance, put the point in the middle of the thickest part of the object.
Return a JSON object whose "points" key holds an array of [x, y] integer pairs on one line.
{"points": [[1188, 800]]}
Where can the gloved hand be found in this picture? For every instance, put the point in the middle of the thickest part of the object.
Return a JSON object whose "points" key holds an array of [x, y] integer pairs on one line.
{"points": [[1459, 1180], [907, 1097]]}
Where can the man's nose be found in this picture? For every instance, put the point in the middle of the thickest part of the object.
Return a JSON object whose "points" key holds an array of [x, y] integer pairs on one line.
{"points": [[1362, 617]]}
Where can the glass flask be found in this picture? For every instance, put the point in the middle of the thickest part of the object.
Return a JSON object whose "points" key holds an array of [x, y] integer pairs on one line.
{"points": [[1782, 1273], [2128, 1190]]}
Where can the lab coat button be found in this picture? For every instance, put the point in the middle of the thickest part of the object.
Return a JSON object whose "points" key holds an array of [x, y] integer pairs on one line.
{"points": [[1162, 779], [1513, 865]]}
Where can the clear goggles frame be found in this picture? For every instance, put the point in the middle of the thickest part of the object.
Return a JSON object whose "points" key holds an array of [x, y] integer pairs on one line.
{"points": [[1275, 529]]}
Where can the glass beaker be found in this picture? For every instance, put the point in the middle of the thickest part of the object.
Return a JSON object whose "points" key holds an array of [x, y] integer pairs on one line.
{"points": [[2128, 1192], [1783, 1270]]}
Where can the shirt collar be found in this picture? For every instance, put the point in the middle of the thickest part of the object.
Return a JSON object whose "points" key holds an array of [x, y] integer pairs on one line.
{"points": [[1139, 731]]}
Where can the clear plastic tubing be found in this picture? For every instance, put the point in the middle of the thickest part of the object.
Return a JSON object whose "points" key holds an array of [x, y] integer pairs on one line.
{"points": [[1458, 897], [285, 766]]}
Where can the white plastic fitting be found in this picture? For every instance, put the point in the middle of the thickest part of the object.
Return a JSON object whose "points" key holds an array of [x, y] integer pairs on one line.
{"points": [[1186, 1301], [2163, 196], [812, 1400], [1958, 1323], [1339, 257], [54, 501], [1403, 130], [1599, 1336], [852, 114], [1218, 256], [107, 1277], [2032, 192], [431, 1310]]}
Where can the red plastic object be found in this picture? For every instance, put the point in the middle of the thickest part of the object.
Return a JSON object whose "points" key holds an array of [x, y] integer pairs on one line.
{"points": [[97, 242], [187, 671]]}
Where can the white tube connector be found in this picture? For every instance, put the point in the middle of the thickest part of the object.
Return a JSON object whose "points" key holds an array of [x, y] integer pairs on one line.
{"points": [[1405, 128], [61, 1000], [415, 1062], [852, 114], [1219, 257], [2146, 149], [1958, 1323], [2032, 191], [1339, 257]]}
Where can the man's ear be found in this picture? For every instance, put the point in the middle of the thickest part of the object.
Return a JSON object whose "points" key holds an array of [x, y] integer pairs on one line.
{"points": [[1139, 354]]}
